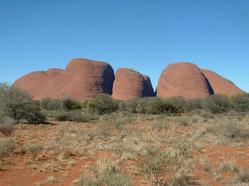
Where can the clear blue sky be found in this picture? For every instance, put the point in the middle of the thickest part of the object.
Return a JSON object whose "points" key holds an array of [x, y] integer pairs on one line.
{"points": [[145, 35]]}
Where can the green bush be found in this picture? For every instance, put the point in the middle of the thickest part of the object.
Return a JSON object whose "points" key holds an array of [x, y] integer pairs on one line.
{"points": [[217, 104], [6, 126], [142, 105], [172, 105], [138, 105], [70, 104], [36, 117], [6, 147], [229, 131], [193, 104], [32, 113], [103, 104], [19, 105], [51, 104], [241, 102], [129, 106], [75, 116], [155, 165]]}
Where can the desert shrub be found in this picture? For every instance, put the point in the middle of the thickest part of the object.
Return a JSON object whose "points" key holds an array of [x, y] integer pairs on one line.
{"points": [[18, 105], [6, 126], [183, 120], [122, 106], [14, 102], [138, 105], [193, 104], [181, 180], [155, 165], [166, 106], [34, 149], [206, 114], [6, 147], [196, 118], [160, 125], [33, 113], [129, 106], [228, 131], [228, 167], [243, 175], [6, 129], [241, 102], [117, 120], [102, 104], [70, 104], [51, 104], [36, 117], [217, 104], [183, 148], [76, 116], [105, 172]]}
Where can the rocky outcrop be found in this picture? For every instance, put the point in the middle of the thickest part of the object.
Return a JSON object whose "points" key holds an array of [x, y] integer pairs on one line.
{"points": [[85, 79], [183, 79], [221, 85], [82, 79], [131, 84]]}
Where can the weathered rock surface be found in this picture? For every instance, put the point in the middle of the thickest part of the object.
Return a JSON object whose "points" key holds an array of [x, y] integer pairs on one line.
{"points": [[221, 85], [82, 79], [183, 79], [131, 84]]}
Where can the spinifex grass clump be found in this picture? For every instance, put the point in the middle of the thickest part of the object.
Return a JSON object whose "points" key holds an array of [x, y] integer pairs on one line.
{"points": [[6, 126], [6, 147], [105, 172]]}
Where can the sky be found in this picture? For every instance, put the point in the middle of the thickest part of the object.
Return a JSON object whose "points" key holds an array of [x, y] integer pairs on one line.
{"points": [[145, 35]]}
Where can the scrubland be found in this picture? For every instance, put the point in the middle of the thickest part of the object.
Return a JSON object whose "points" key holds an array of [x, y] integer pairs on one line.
{"points": [[147, 141]]}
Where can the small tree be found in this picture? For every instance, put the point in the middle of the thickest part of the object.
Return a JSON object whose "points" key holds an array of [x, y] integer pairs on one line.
{"points": [[167, 106], [70, 104], [51, 104], [217, 104], [18, 105], [103, 104], [241, 102]]}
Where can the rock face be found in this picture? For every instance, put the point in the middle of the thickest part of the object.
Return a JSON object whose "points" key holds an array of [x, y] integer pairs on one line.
{"points": [[221, 85], [131, 84], [183, 79], [82, 79], [85, 79]]}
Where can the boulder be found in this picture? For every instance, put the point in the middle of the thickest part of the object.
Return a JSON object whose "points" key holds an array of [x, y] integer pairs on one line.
{"points": [[183, 79], [82, 79], [221, 85], [131, 84]]}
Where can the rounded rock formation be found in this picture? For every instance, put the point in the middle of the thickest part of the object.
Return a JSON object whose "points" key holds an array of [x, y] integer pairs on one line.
{"points": [[183, 79], [221, 85], [82, 79], [130, 84]]}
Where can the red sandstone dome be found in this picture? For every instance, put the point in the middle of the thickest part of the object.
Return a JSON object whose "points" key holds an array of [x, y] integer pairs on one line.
{"points": [[221, 85], [183, 79], [131, 84], [82, 79]]}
